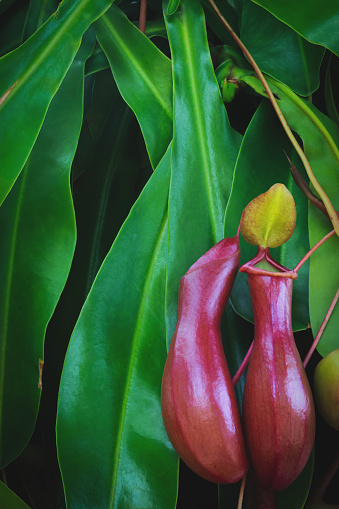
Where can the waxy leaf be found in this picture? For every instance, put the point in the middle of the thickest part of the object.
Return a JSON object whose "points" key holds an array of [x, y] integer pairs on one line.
{"points": [[269, 219], [118, 346], [326, 388], [321, 141], [329, 94], [230, 12], [204, 151], [11, 28], [143, 76], [130, 352], [111, 180], [279, 51], [31, 75], [317, 22], [37, 243], [10, 500], [172, 6], [38, 12]]}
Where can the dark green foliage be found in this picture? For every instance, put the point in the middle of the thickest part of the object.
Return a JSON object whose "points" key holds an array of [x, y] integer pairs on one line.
{"points": [[120, 167]]}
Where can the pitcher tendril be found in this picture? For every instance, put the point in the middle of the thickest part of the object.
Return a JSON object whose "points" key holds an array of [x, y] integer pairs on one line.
{"points": [[327, 202]]}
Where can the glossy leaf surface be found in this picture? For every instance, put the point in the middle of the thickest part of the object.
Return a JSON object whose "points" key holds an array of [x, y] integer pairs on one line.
{"points": [[11, 28], [295, 496], [143, 76], [229, 12], [326, 388], [31, 76], [172, 6], [204, 151], [280, 51], [37, 233], [10, 500], [317, 22], [118, 346], [330, 95], [38, 12], [321, 141], [111, 180], [254, 175]]}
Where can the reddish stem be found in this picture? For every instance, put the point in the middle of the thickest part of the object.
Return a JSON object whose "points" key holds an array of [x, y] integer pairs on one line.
{"points": [[242, 367], [322, 327], [332, 213], [142, 16], [313, 249]]}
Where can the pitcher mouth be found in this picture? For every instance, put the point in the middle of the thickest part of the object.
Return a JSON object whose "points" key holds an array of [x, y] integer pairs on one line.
{"points": [[264, 254]]}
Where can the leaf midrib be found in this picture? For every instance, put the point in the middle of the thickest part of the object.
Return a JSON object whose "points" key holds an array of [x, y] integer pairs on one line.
{"points": [[130, 55], [44, 55], [135, 341], [200, 131], [8, 289]]}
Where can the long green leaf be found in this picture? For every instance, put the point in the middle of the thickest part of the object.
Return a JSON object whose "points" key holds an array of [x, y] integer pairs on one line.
{"points": [[10, 500], [230, 12], [11, 27], [172, 6], [280, 51], [111, 182], [37, 245], [321, 141], [114, 439], [143, 76], [38, 12], [129, 315], [204, 151], [329, 94], [316, 21], [31, 75]]}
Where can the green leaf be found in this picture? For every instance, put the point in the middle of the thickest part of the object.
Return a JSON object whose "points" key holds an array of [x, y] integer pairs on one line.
{"points": [[279, 51], [324, 278], [294, 497], [97, 62], [38, 12], [5, 4], [204, 151], [104, 94], [111, 180], [11, 26], [118, 346], [172, 7], [110, 183], [215, 23], [329, 94], [143, 76], [317, 22], [31, 76], [321, 141], [254, 175], [10, 500], [38, 238]]}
